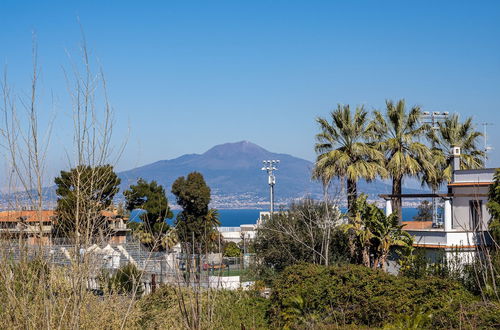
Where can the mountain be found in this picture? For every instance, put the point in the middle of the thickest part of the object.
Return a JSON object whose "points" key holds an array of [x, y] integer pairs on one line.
{"points": [[233, 172]]}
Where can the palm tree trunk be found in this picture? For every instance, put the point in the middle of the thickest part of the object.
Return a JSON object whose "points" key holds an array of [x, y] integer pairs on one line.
{"points": [[352, 193], [396, 201]]}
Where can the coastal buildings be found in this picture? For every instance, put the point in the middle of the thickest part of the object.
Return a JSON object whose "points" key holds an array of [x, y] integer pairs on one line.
{"points": [[36, 226], [243, 233]]}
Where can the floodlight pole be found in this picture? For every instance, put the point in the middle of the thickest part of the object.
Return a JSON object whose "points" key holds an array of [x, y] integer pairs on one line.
{"points": [[270, 167], [432, 118]]}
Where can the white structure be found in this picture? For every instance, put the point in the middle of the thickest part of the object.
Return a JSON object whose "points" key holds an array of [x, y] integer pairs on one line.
{"points": [[465, 216], [238, 234], [243, 232]]}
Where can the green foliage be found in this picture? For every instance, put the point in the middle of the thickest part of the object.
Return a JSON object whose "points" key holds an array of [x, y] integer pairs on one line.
{"points": [[397, 134], [352, 294], [452, 133], [301, 234], [424, 212], [373, 235], [192, 194], [415, 263], [196, 223], [343, 150], [150, 197], [232, 250], [126, 280], [494, 206], [83, 193], [416, 320]]}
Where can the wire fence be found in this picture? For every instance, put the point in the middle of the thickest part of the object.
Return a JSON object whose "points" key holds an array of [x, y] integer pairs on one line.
{"points": [[157, 268]]}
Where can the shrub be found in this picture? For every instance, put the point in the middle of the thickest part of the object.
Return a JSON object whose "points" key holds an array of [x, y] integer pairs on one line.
{"points": [[232, 250], [354, 294], [126, 280], [219, 309]]}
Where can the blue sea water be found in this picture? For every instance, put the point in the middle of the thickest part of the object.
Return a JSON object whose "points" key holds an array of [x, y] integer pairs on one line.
{"points": [[237, 217]]}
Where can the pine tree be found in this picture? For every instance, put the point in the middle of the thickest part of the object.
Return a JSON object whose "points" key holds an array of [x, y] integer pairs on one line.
{"points": [[196, 223], [83, 193], [150, 197]]}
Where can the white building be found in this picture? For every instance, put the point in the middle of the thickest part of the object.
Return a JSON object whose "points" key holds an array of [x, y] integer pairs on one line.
{"points": [[243, 232], [465, 215]]}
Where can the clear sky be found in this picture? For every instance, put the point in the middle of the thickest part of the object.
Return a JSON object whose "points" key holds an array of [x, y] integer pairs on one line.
{"points": [[188, 75]]}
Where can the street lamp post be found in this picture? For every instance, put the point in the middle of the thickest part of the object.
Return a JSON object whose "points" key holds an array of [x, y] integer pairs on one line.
{"points": [[270, 167]]}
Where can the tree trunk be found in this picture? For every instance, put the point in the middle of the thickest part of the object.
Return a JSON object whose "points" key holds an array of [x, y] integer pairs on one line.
{"points": [[396, 201], [376, 261], [366, 257], [383, 262], [352, 193]]}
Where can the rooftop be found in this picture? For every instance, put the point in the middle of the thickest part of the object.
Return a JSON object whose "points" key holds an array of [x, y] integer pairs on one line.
{"points": [[36, 216]]}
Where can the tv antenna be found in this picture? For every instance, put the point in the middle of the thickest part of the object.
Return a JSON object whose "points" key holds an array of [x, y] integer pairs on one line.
{"points": [[487, 148], [270, 167], [433, 118]]}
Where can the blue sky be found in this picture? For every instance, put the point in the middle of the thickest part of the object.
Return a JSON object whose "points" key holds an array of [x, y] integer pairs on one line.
{"points": [[188, 75]]}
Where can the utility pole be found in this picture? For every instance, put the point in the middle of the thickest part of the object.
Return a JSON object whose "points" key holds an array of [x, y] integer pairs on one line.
{"points": [[486, 147], [433, 118], [270, 167]]}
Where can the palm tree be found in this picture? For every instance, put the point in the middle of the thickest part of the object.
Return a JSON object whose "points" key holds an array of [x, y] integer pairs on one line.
{"points": [[387, 233], [359, 231], [452, 133], [343, 151], [397, 133]]}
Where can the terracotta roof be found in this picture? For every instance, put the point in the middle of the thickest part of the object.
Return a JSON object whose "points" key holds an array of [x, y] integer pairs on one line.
{"points": [[36, 216], [417, 225], [469, 184], [31, 216]]}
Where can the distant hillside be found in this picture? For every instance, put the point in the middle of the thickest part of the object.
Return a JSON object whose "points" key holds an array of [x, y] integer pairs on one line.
{"points": [[233, 171]]}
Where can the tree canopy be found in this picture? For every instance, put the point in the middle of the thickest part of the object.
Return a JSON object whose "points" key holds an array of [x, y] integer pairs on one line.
{"points": [[83, 193], [424, 212], [196, 223], [453, 133], [398, 132], [150, 197], [343, 150]]}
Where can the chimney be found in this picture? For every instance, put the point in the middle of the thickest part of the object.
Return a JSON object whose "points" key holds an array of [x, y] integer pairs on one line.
{"points": [[456, 160]]}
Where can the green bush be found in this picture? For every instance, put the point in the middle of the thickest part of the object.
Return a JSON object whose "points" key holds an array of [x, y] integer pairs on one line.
{"points": [[126, 280], [232, 250], [352, 294]]}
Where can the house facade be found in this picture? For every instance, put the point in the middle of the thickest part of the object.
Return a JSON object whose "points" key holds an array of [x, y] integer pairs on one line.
{"points": [[35, 226], [463, 229]]}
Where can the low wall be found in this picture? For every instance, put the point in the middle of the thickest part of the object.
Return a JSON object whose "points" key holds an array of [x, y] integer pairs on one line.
{"points": [[224, 282]]}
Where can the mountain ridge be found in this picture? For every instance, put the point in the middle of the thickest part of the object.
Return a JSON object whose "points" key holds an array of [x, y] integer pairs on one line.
{"points": [[233, 172]]}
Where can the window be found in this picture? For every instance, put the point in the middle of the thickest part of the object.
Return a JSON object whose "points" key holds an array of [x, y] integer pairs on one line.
{"points": [[475, 214]]}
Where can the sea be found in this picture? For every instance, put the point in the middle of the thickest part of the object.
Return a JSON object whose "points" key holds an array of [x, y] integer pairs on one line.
{"points": [[237, 217]]}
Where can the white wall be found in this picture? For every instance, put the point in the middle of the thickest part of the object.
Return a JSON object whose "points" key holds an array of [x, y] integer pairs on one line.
{"points": [[461, 209]]}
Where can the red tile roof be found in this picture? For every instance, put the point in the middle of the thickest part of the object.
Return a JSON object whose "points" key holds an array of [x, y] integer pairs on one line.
{"points": [[36, 216], [31, 216], [417, 225]]}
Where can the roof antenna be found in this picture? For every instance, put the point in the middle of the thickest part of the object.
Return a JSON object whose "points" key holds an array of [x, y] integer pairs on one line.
{"points": [[486, 147]]}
